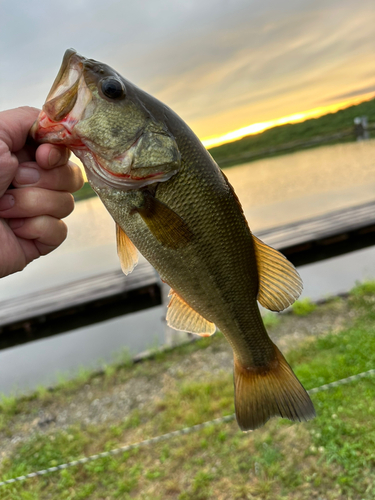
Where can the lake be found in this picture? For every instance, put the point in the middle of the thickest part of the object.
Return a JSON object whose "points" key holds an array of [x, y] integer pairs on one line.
{"points": [[273, 191]]}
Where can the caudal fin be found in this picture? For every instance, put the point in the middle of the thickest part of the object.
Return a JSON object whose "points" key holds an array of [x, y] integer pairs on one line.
{"points": [[265, 392]]}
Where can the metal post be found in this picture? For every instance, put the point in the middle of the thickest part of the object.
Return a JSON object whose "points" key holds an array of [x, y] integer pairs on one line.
{"points": [[361, 128], [366, 132]]}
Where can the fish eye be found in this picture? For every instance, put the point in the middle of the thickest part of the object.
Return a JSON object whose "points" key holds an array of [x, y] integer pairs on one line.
{"points": [[113, 88]]}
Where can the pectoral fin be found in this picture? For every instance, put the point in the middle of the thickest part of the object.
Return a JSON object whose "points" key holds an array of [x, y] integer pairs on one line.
{"points": [[167, 226], [279, 282], [126, 251], [181, 316]]}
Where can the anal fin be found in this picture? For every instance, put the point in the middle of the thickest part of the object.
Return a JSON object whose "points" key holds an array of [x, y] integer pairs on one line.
{"points": [[126, 251], [279, 282], [181, 316]]}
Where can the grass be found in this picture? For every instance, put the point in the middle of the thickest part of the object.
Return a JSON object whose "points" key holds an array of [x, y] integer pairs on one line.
{"points": [[303, 307], [286, 134], [331, 457], [271, 319], [85, 192]]}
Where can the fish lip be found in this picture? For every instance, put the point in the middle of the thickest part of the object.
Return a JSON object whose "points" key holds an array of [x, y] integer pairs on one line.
{"points": [[126, 182], [65, 104], [63, 95], [133, 177], [99, 175], [46, 130], [65, 65]]}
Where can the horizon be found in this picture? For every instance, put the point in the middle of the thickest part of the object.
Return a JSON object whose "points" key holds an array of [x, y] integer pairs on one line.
{"points": [[258, 128]]}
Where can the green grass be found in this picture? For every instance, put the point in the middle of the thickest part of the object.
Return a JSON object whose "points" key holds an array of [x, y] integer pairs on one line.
{"points": [[331, 457], [85, 192], [271, 319], [285, 134], [303, 307]]}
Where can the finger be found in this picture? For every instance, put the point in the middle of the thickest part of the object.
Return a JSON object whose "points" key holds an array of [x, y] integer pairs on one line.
{"points": [[50, 156], [46, 232], [66, 178], [14, 127], [8, 167], [33, 201], [27, 153]]}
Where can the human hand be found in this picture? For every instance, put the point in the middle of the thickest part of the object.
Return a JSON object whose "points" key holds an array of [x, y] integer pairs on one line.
{"points": [[42, 179]]}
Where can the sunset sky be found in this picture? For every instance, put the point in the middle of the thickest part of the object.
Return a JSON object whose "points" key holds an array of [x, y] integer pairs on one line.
{"points": [[221, 65]]}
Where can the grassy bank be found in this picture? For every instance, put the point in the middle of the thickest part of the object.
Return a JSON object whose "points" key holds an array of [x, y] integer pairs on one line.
{"points": [[321, 127], [85, 192], [329, 458]]}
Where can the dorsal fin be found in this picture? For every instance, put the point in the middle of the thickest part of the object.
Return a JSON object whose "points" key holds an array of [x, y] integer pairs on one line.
{"points": [[181, 316], [279, 282], [126, 251]]}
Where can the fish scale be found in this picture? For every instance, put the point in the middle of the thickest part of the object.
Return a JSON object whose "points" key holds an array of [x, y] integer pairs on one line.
{"points": [[171, 201]]}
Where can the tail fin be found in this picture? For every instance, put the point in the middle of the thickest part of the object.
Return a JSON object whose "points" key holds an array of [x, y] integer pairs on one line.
{"points": [[264, 392]]}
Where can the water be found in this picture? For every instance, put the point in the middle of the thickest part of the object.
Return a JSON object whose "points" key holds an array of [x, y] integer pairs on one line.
{"points": [[273, 191]]}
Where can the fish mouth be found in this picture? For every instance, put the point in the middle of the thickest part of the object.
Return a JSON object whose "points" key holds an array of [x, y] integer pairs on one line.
{"points": [[65, 104], [101, 176]]}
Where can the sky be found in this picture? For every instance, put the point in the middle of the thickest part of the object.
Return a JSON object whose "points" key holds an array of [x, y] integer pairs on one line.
{"points": [[221, 65]]}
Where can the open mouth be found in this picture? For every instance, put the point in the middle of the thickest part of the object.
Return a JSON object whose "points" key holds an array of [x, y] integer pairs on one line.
{"points": [[65, 104]]}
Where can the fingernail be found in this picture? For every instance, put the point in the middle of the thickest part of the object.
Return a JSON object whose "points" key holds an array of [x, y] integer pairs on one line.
{"points": [[57, 157], [16, 223], [26, 175], [7, 201]]}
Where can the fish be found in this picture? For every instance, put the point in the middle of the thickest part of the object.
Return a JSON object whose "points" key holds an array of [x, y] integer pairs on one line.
{"points": [[172, 203]]}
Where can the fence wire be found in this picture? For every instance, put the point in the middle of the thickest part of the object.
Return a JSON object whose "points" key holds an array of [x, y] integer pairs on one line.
{"points": [[170, 435]]}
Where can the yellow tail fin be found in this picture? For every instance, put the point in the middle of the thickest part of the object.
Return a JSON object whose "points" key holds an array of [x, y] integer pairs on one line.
{"points": [[265, 392]]}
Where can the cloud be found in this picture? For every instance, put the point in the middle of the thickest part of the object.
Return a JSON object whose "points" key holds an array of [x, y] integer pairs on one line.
{"points": [[221, 65], [353, 93]]}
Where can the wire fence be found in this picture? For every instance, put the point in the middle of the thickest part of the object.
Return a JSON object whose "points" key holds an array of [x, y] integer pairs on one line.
{"points": [[170, 435]]}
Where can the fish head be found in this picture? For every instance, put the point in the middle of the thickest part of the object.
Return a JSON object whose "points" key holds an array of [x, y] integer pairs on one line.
{"points": [[105, 121]]}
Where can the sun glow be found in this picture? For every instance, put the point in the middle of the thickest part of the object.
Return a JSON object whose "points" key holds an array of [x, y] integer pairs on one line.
{"points": [[255, 128]]}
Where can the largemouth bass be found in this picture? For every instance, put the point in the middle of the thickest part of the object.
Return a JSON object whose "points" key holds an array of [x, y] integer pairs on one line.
{"points": [[172, 202]]}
